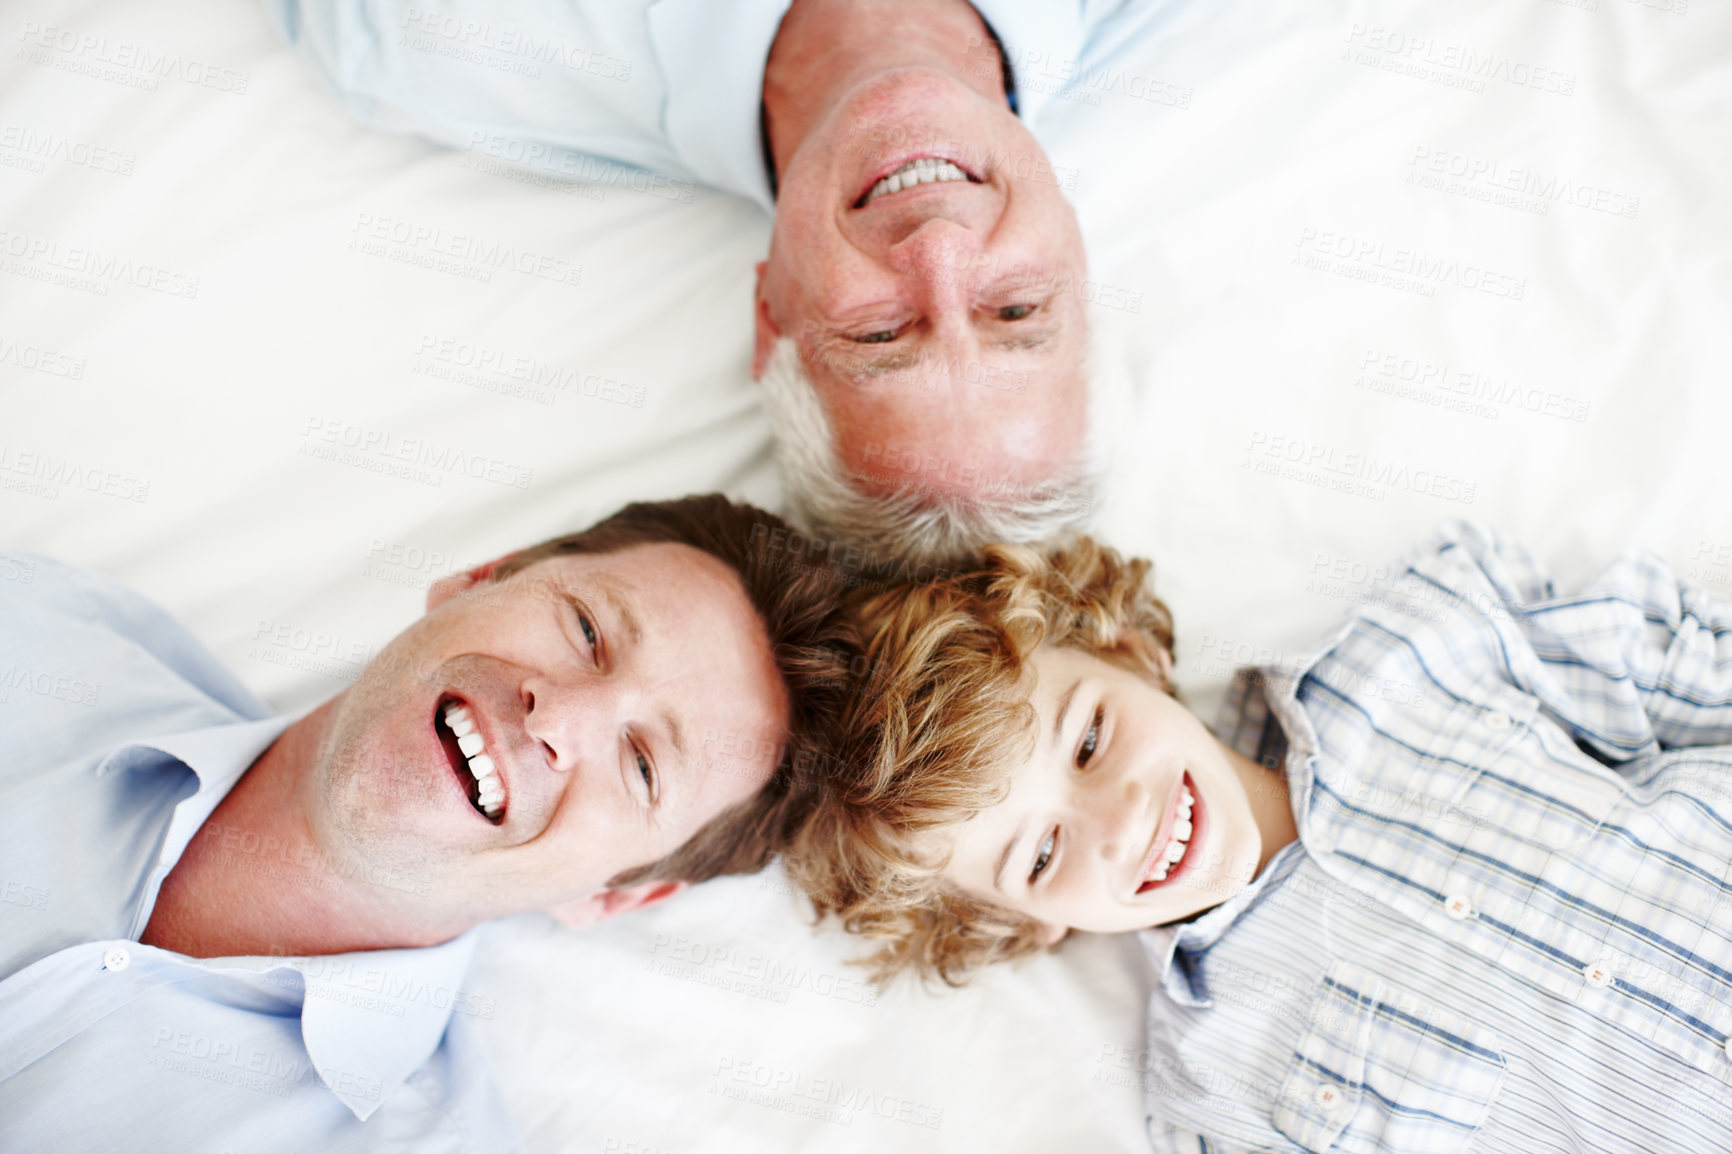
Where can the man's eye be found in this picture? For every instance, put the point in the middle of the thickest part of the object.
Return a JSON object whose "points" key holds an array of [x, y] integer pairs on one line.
{"points": [[1091, 739], [1043, 858], [1014, 312], [878, 338], [588, 629]]}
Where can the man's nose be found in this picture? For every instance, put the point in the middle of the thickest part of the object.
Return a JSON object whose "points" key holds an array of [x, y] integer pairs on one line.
{"points": [[942, 255], [570, 717]]}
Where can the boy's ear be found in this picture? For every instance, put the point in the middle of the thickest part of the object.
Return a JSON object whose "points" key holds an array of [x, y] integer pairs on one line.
{"points": [[1051, 935], [611, 902]]}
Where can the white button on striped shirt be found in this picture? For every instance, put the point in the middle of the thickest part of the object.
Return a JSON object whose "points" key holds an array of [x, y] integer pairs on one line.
{"points": [[1507, 925]]}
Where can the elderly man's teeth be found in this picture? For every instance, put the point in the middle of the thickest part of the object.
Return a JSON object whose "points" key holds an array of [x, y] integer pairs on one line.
{"points": [[925, 170]]}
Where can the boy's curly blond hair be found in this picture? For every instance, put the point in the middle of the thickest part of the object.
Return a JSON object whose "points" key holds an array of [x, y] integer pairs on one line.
{"points": [[943, 715]]}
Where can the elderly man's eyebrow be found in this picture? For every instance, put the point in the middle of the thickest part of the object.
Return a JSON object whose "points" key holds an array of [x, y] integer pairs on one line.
{"points": [[1030, 340]]}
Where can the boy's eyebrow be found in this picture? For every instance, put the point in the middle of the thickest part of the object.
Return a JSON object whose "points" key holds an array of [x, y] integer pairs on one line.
{"points": [[1058, 725], [1004, 856]]}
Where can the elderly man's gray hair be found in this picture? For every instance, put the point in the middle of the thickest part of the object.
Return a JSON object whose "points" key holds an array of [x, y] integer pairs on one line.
{"points": [[911, 522]]}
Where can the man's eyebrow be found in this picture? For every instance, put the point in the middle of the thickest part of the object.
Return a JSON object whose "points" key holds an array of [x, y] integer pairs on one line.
{"points": [[617, 602], [676, 737]]}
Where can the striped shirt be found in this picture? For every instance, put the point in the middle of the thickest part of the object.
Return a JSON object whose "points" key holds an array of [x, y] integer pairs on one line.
{"points": [[1507, 922]]}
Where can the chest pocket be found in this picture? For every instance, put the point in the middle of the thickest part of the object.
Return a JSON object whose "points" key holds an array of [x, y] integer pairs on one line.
{"points": [[1379, 1068]]}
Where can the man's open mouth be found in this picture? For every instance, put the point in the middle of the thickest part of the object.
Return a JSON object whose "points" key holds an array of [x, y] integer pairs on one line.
{"points": [[920, 170], [467, 752], [1168, 857]]}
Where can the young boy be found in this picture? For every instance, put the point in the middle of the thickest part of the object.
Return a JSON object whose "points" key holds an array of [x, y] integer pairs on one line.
{"points": [[1463, 876]]}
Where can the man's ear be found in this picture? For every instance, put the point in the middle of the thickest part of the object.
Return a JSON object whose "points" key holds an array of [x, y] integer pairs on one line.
{"points": [[454, 584], [611, 902], [766, 331]]}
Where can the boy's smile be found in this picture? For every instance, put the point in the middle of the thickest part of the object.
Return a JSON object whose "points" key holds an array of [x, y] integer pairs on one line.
{"points": [[1127, 813]]}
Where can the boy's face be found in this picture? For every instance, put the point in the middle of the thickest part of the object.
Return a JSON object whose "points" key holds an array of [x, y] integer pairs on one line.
{"points": [[1087, 836]]}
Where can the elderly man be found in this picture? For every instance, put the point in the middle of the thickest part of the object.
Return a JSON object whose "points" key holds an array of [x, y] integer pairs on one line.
{"points": [[919, 325], [227, 930]]}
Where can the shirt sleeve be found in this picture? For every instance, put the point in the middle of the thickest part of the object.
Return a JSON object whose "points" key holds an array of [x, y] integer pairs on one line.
{"points": [[1638, 662], [531, 82]]}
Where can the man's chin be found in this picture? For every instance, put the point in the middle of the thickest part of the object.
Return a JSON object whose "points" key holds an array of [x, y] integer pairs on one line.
{"points": [[895, 117]]}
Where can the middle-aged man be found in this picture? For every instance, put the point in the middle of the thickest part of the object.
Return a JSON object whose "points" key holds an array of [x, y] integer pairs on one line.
{"points": [[223, 930], [919, 321]]}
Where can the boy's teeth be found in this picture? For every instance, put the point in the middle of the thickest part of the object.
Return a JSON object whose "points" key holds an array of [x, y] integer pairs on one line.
{"points": [[1182, 830], [482, 767], [470, 743]]}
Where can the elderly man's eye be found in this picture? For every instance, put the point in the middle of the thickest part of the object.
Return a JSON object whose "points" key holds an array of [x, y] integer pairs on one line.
{"points": [[1014, 312], [878, 338]]}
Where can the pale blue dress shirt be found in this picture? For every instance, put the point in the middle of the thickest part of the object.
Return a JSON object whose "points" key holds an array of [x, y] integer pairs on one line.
{"points": [[1507, 924], [122, 735], [672, 86]]}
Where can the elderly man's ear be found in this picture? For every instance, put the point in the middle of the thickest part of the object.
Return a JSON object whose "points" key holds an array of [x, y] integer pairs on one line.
{"points": [[611, 902], [765, 328]]}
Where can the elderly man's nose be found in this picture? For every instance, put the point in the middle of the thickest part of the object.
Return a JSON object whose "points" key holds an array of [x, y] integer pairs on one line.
{"points": [[941, 252]]}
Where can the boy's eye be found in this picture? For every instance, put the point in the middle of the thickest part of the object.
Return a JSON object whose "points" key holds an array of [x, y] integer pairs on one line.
{"points": [[1091, 739], [1043, 858], [647, 772]]}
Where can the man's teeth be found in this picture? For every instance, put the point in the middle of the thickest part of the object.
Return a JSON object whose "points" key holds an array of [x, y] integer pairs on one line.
{"points": [[926, 170], [492, 793], [1181, 837]]}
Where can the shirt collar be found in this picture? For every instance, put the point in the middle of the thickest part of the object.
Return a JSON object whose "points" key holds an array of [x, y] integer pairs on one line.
{"points": [[369, 1019], [374, 1017], [713, 57]]}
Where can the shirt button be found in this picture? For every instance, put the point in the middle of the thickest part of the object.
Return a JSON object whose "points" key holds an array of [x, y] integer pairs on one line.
{"points": [[116, 959], [1457, 907], [1327, 1098], [1497, 721], [1599, 974]]}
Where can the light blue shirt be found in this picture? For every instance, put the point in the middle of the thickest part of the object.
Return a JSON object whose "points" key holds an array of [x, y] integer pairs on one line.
{"points": [[672, 86], [1508, 920], [122, 735]]}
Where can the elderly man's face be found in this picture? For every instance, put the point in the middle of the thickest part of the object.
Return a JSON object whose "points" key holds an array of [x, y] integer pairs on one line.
{"points": [[621, 701], [940, 320]]}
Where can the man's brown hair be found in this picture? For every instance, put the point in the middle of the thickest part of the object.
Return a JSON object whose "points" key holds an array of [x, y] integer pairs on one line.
{"points": [[797, 600], [943, 717]]}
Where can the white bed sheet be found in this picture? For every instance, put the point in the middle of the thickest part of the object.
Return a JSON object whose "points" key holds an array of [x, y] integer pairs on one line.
{"points": [[1355, 268]]}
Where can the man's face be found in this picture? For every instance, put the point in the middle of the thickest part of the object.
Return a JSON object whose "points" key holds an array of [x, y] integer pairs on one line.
{"points": [[940, 322], [1121, 781], [623, 700]]}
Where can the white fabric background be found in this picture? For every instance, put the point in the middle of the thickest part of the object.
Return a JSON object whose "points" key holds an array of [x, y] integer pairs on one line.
{"points": [[1239, 175]]}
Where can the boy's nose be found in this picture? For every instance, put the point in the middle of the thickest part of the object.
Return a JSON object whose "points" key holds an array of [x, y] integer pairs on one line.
{"points": [[1122, 818]]}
